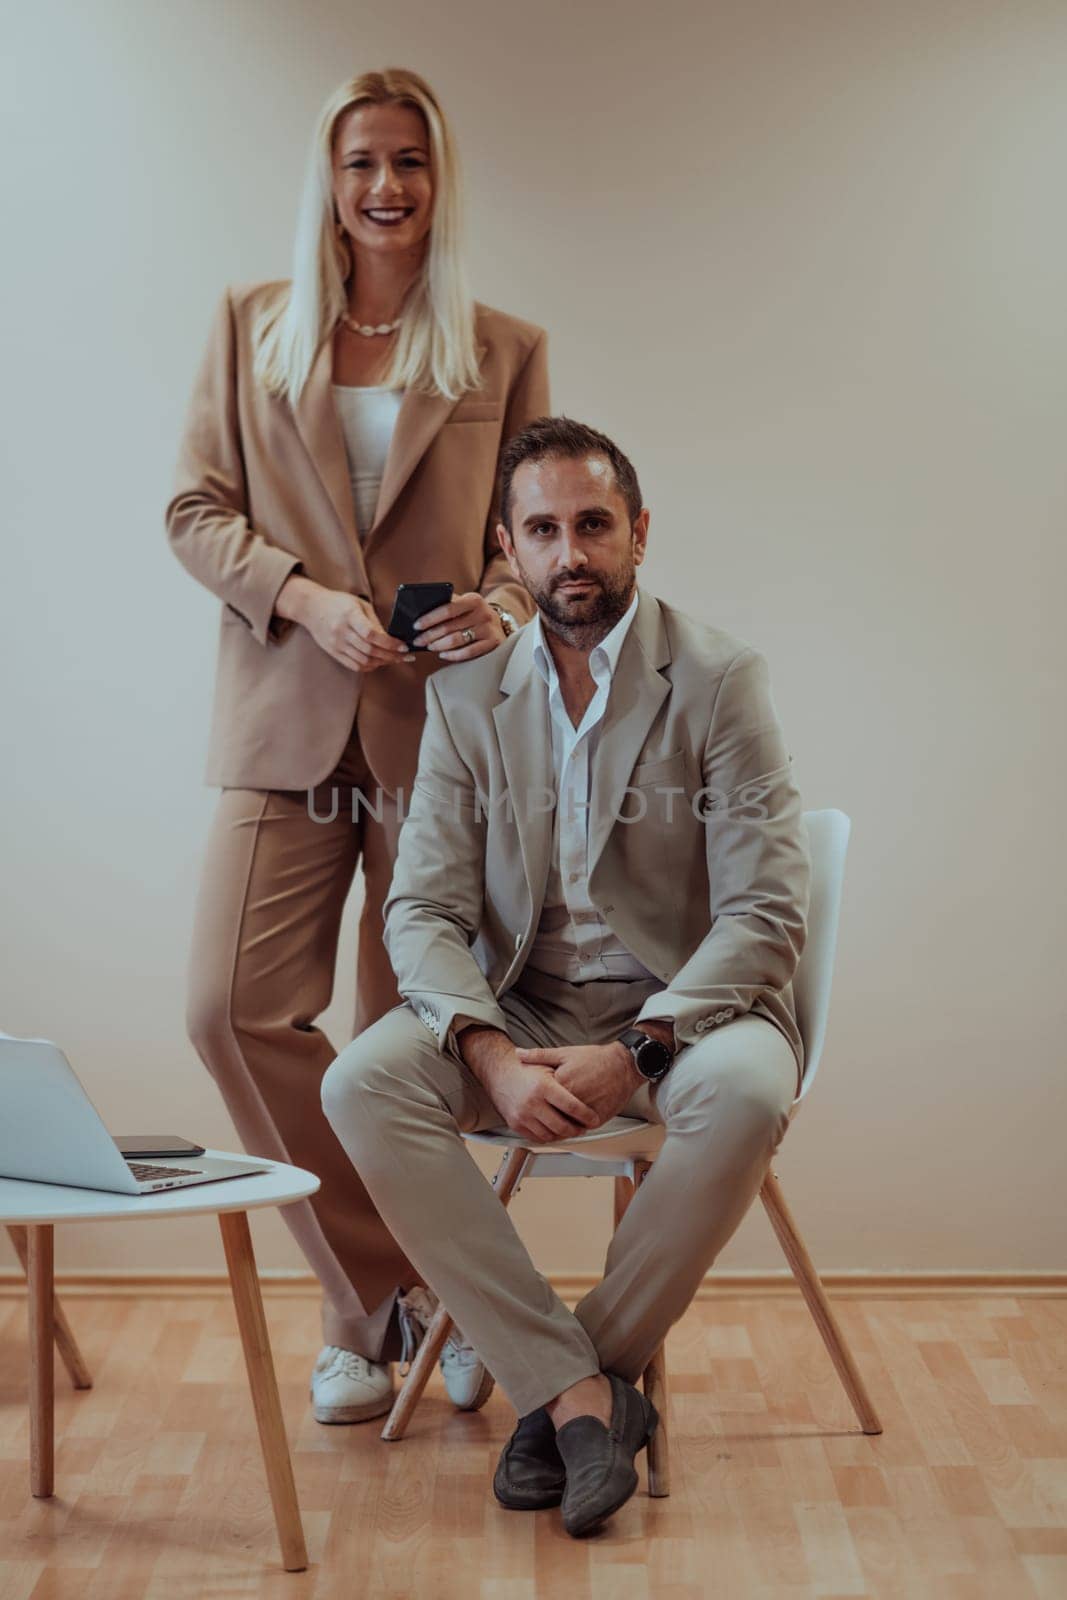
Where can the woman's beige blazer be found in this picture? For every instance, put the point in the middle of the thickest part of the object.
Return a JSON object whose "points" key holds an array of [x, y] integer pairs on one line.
{"points": [[262, 491]]}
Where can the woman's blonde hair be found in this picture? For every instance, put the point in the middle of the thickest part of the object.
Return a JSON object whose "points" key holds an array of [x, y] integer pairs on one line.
{"points": [[435, 349]]}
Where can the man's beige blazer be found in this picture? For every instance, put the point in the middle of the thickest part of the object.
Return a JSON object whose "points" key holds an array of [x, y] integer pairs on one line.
{"points": [[698, 853], [261, 492]]}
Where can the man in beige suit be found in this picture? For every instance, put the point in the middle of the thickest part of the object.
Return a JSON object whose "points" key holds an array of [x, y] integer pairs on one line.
{"points": [[599, 903]]}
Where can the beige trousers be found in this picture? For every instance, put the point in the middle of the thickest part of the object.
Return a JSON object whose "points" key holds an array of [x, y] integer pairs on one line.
{"points": [[397, 1105], [261, 971]]}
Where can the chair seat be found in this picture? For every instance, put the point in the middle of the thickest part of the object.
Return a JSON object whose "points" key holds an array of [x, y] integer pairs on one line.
{"points": [[620, 1139]]}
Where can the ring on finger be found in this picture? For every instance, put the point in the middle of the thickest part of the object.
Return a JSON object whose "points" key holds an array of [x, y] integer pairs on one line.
{"points": [[467, 636]]}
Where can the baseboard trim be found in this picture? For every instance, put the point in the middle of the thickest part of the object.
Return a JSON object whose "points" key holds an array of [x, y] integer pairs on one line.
{"points": [[283, 1285]]}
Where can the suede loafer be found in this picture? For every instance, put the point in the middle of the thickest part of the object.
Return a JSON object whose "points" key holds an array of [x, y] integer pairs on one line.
{"points": [[599, 1461], [529, 1475]]}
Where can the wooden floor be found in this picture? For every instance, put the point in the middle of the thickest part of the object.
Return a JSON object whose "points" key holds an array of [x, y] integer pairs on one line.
{"points": [[161, 1493]]}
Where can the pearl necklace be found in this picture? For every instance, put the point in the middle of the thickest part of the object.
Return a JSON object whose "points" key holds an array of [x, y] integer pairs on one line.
{"points": [[368, 330]]}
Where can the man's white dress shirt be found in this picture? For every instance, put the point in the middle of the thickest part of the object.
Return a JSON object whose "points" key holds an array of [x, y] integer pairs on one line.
{"points": [[572, 940]]}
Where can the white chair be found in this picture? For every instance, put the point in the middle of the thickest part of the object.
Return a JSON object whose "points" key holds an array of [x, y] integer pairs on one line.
{"points": [[625, 1148]]}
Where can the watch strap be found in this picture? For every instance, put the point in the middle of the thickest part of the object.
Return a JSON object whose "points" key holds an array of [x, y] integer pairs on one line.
{"points": [[637, 1042]]}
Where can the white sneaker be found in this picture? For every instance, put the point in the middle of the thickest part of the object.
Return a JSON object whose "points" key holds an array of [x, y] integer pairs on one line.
{"points": [[346, 1387], [468, 1382]]}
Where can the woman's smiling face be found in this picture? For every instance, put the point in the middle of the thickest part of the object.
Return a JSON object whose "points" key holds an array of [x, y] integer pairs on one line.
{"points": [[382, 183]]}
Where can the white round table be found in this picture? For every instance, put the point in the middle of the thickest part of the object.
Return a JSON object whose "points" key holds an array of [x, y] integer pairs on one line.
{"points": [[31, 1211]]}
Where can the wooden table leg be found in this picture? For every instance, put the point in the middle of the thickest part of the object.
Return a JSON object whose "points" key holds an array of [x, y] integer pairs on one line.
{"points": [[248, 1304], [66, 1344], [39, 1274]]}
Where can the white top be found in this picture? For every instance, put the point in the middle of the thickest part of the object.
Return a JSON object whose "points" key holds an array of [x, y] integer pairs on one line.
{"points": [[368, 418], [572, 940]]}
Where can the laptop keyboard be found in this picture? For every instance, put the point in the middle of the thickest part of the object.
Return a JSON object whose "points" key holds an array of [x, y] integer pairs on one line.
{"points": [[145, 1169]]}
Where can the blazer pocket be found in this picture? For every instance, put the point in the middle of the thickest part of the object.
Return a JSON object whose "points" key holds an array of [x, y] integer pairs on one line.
{"points": [[669, 771], [475, 411]]}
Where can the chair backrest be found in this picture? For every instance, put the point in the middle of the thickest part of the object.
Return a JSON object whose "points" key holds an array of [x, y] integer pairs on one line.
{"points": [[828, 833]]}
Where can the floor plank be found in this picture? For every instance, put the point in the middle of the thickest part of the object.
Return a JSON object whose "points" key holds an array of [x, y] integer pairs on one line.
{"points": [[160, 1492]]}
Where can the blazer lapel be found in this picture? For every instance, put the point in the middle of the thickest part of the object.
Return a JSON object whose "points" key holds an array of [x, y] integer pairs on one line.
{"points": [[524, 733], [417, 424], [638, 689], [319, 427], [418, 421]]}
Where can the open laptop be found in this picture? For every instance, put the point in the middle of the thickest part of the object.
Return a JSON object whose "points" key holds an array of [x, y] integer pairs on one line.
{"points": [[50, 1132]]}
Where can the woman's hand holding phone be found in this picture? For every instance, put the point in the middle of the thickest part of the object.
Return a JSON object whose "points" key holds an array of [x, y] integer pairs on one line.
{"points": [[343, 625], [442, 629]]}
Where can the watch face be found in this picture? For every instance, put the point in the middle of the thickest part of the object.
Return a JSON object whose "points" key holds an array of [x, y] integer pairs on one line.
{"points": [[652, 1058]]}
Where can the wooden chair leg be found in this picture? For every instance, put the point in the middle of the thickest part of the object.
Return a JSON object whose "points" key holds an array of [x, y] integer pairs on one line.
{"points": [[248, 1304], [658, 1452], [418, 1376], [507, 1176], [66, 1344], [39, 1270], [819, 1306], [654, 1380]]}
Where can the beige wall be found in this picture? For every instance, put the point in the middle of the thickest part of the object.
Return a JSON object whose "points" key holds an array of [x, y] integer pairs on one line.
{"points": [[808, 262]]}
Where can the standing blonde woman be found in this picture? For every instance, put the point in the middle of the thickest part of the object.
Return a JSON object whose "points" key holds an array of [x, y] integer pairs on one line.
{"points": [[342, 438]]}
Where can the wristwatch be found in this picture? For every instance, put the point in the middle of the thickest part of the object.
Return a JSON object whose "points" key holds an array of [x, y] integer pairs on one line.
{"points": [[507, 621], [651, 1058]]}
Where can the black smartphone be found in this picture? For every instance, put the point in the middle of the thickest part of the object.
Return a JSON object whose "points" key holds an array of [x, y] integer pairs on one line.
{"points": [[413, 600], [156, 1144]]}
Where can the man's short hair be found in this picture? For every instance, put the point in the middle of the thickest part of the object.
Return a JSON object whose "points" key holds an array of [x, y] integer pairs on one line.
{"points": [[548, 437]]}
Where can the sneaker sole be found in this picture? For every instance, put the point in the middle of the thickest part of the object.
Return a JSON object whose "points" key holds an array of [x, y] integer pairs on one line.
{"points": [[360, 1413]]}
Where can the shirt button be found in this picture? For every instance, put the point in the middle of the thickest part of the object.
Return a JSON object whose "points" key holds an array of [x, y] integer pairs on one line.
{"points": [[572, 877]]}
